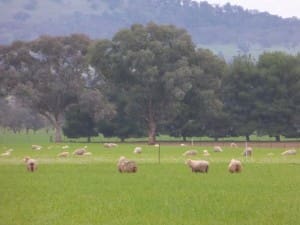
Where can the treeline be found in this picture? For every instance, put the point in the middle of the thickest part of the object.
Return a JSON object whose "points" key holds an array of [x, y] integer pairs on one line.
{"points": [[149, 80]]}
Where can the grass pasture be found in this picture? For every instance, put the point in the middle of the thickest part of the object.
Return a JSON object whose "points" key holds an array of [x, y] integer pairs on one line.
{"points": [[89, 190]]}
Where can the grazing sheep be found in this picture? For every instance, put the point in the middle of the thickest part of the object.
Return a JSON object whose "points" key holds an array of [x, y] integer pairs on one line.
{"points": [[233, 145], [126, 166], [137, 150], [218, 149], [79, 151], [110, 145], [7, 153], [36, 147], [248, 151], [198, 165], [289, 152], [206, 153], [235, 166], [63, 154], [31, 164], [190, 153], [87, 153]]}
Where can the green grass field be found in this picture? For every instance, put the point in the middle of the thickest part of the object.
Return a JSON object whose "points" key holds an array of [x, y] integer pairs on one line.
{"points": [[89, 190]]}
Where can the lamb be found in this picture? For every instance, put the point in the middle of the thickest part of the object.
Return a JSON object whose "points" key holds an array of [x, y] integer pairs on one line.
{"points": [[79, 151], [289, 152], [63, 154], [190, 153], [198, 165], [31, 164], [248, 151], [235, 166], [137, 150], [126, 166], [218, 149]]}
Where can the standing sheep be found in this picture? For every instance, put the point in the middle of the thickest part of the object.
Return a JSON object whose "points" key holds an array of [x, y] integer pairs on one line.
{"points": [[190, 153], [198, 165], [126, 166], [235, 166], [137, 150], [31, 164], [248, 151]]}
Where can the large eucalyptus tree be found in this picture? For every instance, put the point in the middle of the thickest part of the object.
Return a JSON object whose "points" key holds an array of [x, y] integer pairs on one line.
{"points": [[150, 65]]}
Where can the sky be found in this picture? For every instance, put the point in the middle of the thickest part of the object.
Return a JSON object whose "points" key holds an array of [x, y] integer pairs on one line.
{"points": [[283, 8]]}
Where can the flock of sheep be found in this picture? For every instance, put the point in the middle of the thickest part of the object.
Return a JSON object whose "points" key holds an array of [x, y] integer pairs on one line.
{"points": [[125, 165]]}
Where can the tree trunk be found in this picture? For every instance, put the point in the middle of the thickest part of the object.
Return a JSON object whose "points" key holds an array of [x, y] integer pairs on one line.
{"points": [[89, 139], [151, 132], [247, 138], [184, 138], [277, 138], [58, 131]]}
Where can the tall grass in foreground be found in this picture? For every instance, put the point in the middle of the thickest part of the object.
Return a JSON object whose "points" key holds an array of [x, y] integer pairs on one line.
{"points": [[90, 191]]}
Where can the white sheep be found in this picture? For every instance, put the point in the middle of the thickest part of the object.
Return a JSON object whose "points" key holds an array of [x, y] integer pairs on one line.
{"points": [[87, 153], [233, 145], [7, 153], [63, 154], [235, 166], [65, 147], [206, 153], [156, 145], [289, 152], [190, 153], [31, 164], [36, 147], [198, 165], [218, 149], [182, 144], [248, 151], [110, 145], [126, 166], [137, 150]]}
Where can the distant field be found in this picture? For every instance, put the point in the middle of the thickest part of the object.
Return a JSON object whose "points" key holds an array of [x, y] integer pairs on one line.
{"points": [[89, 190]]}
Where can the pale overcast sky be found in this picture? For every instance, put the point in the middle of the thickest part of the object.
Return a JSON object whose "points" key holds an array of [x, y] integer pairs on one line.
{"points": [[283, 8]]}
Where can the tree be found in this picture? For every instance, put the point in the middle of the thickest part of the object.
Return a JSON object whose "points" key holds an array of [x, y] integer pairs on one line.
{"points": [[277, 98], [239, 96], [82, 119], [50, 74], [148, 65]]}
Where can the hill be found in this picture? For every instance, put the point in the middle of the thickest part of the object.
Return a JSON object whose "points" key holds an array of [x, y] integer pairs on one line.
{"points": [[227, 29]]}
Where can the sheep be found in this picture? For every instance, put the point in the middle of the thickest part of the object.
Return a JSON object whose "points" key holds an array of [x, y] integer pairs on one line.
{"points": [[110, 145], [137, 150], [235, 166], [190, 153], [65, 147], [7, 153], [206, 153], [156, 145], [63, 154], [79, 151], [198, 165], [248, 151], [87, 153], [218, 149], [31, 164], [289, 152], [36, 147], [233, 145], [182, 144], [126, 166]]}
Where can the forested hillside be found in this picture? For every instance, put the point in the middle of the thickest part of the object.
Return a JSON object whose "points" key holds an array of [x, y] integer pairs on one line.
{"points": [[226, 29]]}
